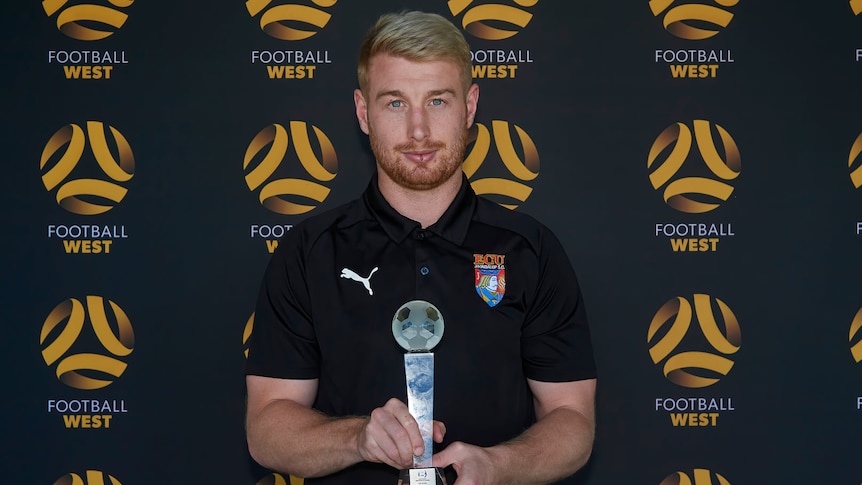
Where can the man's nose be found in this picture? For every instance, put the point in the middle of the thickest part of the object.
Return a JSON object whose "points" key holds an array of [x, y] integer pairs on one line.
{"points": [[417, 124]]}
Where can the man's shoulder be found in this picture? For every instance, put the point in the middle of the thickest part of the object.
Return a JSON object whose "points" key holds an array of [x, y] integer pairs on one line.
{"points": [[343, 215], [525, 225], [310, 229]]}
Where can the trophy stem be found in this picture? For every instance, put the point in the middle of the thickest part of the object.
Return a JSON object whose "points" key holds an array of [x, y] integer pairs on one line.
{"points": [[419, 370]]}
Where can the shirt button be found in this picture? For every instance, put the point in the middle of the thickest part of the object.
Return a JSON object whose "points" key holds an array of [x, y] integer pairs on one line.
{"points": [[424, 270], [420, 235]]}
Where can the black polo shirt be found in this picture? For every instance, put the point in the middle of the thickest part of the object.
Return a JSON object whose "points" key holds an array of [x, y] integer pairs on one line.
{"points": [[313, 322]]}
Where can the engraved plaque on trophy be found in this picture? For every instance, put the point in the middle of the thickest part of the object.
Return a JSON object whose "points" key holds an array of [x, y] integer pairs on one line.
{"points": [[418, 328]]}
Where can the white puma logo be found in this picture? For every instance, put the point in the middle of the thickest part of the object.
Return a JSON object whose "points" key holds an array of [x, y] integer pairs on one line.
{"points": [[366, 282]]}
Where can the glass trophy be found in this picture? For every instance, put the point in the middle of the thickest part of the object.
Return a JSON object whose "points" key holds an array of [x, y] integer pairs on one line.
{"points": [[418, 328]]}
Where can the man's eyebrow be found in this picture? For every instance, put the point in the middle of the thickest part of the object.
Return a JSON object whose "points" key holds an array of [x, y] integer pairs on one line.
{"points": [[396, 93], [393, 93], [438, 92]]}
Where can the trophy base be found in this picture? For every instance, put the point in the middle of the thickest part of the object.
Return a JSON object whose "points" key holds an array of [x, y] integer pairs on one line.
{"points": [[422, 476]]}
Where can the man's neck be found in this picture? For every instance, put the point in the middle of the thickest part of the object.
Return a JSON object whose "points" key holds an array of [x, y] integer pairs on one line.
{"points": [[423, 206]]}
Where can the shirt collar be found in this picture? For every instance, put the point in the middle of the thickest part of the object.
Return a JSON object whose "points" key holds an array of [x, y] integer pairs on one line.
{"points": [[452, 225]]}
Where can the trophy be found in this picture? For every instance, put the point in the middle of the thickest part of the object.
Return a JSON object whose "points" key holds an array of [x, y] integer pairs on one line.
{"points": [[418, 328]]}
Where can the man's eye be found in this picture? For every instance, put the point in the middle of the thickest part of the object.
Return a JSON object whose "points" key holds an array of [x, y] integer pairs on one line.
{"points": [[395, 104], [437, 102]]}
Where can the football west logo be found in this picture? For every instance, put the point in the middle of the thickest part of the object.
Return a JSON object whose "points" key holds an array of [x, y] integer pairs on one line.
{"points": [[91, 477], [87, 21], [686, 363], [699, 477], [63, 153], [278, 479], [290, 22], [524, 170], [856, 5], [854, 162], [492, 21], [266, 154], [489, 271], [693, 21], [692, 192], [856, 337], [97, 365]]}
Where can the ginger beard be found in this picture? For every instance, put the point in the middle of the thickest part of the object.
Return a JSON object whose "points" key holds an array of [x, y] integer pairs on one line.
{"points": [[425, 175]]}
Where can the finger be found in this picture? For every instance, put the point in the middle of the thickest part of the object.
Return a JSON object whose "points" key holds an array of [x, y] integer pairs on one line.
{"points": [[394, 435], [442, 459], [439, 431], [414, 436], [376, 444], [408, 423]]}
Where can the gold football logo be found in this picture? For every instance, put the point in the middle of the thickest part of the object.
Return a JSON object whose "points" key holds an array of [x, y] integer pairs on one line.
{"points": [[856, 5], [87, 21], [694, 194], [523, 170], [476, 18], [246, 334], [277, 20], [278, 479], [273, 192], [87, 370], [87, 196], [694, 368], [693, 21], [856, 335], [700, 477], [91, 477], [854, 162]]}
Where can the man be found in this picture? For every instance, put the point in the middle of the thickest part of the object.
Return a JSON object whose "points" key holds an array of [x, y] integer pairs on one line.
{"points": [[515, 380]]}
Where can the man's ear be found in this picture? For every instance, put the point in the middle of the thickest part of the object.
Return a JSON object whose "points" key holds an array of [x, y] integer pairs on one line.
{"points": [[472, 103], [361, 110]]}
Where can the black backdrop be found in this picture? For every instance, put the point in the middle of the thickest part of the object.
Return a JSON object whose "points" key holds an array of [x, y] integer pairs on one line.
{"points": [[590, 91]]}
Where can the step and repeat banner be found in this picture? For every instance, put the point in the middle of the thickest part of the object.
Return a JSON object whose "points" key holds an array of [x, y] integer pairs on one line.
{"points": [[701, 161]]}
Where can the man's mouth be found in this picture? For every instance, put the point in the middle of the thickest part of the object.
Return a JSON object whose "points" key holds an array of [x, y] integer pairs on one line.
{"points": [[420, 156]]}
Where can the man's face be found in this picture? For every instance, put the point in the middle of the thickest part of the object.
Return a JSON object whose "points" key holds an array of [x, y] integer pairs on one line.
{"points": [[416, 115]]}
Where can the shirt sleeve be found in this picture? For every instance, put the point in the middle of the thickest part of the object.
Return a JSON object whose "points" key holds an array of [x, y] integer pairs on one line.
{"points": [[283, 342], [555, 342]]}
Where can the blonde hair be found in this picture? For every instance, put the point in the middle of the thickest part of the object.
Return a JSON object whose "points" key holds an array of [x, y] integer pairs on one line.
{"points": [[415, 36]]}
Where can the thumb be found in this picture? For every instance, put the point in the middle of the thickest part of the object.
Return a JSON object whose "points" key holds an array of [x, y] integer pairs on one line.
{"points": [[444, 458]]}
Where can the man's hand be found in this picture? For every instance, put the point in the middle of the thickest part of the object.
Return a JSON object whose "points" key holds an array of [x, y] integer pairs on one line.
{"points": [[392, 436], [473, 464]]}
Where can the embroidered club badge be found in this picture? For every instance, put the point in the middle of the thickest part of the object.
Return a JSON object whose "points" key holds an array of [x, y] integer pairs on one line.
{"points": [[490, 277]]}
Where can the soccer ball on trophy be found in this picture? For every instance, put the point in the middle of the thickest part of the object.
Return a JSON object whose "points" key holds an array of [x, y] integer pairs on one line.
{"points": [[417, 326]]}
